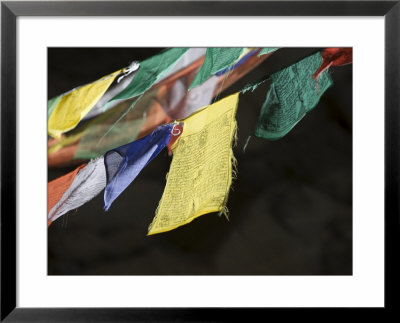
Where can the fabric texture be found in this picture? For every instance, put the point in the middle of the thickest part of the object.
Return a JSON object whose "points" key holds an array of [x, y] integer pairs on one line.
{"points": [[200, 174], [292, 94], [151, 70], [51, 105], [88, 182], [241, 60], [57, 187], [75, 105], [217, 59], [124, 163]]}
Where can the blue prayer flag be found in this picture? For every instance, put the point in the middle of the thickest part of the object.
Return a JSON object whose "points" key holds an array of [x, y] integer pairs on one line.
{"points": [[124, 163]]}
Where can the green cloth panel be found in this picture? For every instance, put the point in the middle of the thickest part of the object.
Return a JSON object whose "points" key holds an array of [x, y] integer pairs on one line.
{"points": [[51, 105], [150, 71], [216, 59], [267, 50], [109, 130], [292, 94]]}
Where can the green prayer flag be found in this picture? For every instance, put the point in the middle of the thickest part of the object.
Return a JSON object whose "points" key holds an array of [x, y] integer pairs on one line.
{"points": [[151, 70], [292, 94], [216, 59]]}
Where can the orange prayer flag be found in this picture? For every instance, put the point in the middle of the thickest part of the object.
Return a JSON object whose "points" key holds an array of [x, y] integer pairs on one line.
{"points": [[57, 187]]}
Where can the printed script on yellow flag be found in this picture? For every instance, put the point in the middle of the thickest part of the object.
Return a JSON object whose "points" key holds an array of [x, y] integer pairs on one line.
{"points": [[75, 105], [201, 169]]}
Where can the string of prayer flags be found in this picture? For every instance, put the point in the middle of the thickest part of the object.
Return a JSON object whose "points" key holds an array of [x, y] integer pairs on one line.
{"points": [[334, 57], [292, 94], [188, 58], [123, 123], [122, 82], [123, 164], [75, 105], [203, 163], [267, 50], [116, 169], [91, 134], [200, 174], [217, 59], [151, 70], [172, 101], [136, 117], [88, 182], [128, 120]]}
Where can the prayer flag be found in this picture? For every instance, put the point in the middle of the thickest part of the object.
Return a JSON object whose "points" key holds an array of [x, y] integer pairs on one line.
{"points": [[217, 58], [334, 57], [88, 182], [124, 163], [201, 169], [57, 187], [292, 94], [73, 106]]}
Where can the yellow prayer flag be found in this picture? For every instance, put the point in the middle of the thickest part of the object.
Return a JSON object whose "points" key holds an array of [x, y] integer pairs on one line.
{"points": [[201, 169], [74, 106]]}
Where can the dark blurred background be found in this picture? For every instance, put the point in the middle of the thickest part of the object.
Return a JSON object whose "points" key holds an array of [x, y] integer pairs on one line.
{"points": [[290, 210]]}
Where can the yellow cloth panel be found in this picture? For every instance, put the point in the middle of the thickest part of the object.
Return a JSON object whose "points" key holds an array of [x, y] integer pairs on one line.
{"points": [[201, 169], [74, 106]]}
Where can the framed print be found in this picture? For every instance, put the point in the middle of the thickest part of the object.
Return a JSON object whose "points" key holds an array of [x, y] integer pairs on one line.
{"points": [[313, 216]]}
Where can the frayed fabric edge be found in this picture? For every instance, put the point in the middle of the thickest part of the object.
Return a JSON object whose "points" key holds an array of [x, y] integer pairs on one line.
{"points": [[234, 171]]}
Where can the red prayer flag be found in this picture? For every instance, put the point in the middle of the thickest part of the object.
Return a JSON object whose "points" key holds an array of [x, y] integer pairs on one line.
{"points": [[334, 57]]}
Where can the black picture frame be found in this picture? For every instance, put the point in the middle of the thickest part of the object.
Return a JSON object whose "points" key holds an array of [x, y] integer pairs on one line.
{"points": [[10, 10]]}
